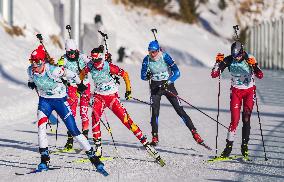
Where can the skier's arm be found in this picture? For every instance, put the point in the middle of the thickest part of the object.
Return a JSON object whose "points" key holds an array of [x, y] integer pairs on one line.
{"points": [[61, 72], [115, 70], [144, 69], [31, 83], [173, 67], [29, 71], [85, 58], [86, 70], [256, 70], [220, 65]]}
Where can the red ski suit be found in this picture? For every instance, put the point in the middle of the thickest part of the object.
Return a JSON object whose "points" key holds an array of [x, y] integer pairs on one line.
{"points": [[106, 96]]}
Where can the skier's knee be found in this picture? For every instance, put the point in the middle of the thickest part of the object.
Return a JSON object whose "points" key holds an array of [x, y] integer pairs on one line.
{"points": [[74, 132], [246, 116], [133, 127]]}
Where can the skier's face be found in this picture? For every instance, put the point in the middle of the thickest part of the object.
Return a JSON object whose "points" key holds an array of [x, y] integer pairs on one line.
{"points": [[38, 66], [153, 54], [238, 58]]}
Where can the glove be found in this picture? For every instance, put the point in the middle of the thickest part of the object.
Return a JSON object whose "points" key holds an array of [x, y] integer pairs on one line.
{"points": [[251, 61], [128, 95], [219, 57], [108, 57], [164, 86], [148, 76], [81, 87], [65, 82], [31, 85]]}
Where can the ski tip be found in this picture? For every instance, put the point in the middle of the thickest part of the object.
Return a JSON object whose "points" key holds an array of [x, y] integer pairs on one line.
{"points": [[206, 146], [101, 170]]}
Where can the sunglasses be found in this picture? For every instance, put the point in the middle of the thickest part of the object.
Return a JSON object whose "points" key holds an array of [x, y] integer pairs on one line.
{"points": [[153, 52], [71, 52], [37, 63], [96, 55]]}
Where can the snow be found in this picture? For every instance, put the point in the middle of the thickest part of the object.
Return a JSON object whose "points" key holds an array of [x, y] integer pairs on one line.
{"points": [[193, 48]]}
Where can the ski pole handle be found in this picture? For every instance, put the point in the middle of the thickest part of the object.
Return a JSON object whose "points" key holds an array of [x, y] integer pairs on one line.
{"points": [[39, 36], [68, 28], [236, 28], [153, 31], [103, 34]]}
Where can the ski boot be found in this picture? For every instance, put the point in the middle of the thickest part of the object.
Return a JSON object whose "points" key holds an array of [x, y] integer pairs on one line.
{"points": [[227, 151], [196, 136], [155, 139], [96, 162], [69, 143], [85, 133], [98, 144], [244, 150], [43, 166]]}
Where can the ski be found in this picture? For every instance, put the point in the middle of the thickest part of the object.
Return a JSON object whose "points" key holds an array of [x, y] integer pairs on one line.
{"points": [[65, 150], [101, 170], [153, 153], [220, 158], [84, 160], [236, 157], [34, 171], [243, 158]]}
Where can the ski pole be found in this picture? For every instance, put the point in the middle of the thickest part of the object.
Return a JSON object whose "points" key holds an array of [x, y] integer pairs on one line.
{"points": [[144, 102], [150, 98], [104, 35], [110, 132], [56, 133], [68, 28], [217, 126], [39, 37], [258, 115], [195, 108]]}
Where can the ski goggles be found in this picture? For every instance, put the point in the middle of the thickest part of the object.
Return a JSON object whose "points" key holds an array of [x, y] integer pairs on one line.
{"points": [[37, 62], [153, 52], [97, 55], [71, 52]]}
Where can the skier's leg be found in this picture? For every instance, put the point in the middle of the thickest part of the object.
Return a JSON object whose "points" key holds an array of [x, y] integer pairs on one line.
{"points": [[72, 100], [180, 111], [84, 107], [62, 108], [235, 107], [118, 109], [247, 110], [44, 111], [98, 109]]}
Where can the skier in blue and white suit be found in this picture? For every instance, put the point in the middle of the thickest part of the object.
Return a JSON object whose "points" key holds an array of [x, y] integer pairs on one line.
{"points": [[161, 69], [47, 80]]}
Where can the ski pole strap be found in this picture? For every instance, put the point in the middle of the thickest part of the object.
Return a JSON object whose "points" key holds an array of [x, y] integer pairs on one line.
{"points": [[195, 108]]}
